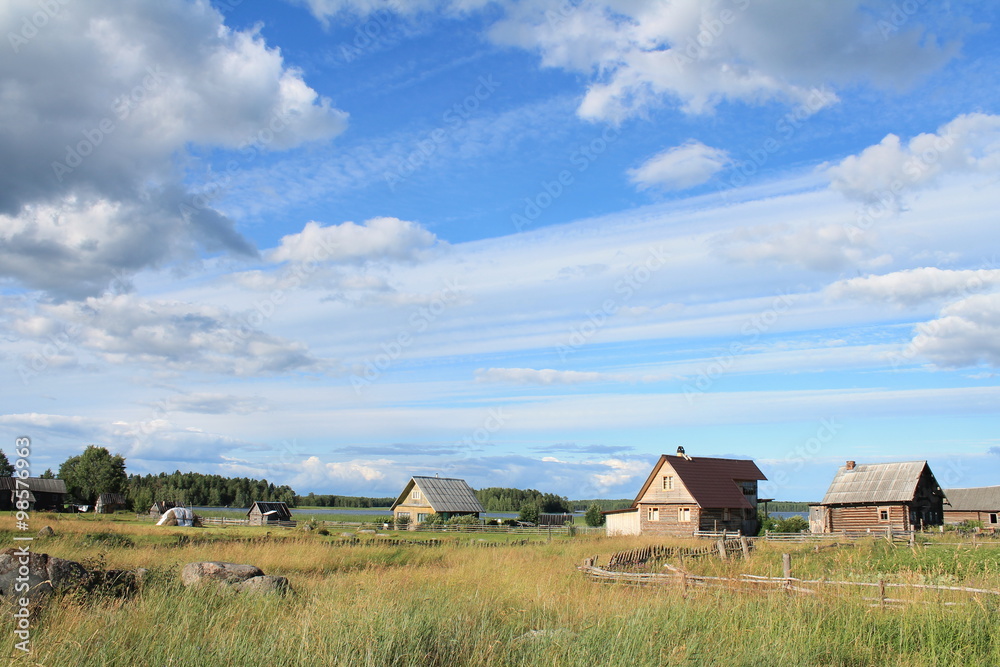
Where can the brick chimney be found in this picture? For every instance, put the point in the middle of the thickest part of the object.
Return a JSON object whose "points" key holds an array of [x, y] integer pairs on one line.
{"points": [[850, 465]]}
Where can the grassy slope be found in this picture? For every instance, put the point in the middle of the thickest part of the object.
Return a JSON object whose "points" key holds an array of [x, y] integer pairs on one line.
{"points": [[459, 604]]}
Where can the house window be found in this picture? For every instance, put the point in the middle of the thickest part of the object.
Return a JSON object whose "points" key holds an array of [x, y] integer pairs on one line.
{"points": [[726, 514], [403, 515], [416, 494], [993, 518], [421, 518], [653, 514], [668, 482], [683, 513], [883, 513]]}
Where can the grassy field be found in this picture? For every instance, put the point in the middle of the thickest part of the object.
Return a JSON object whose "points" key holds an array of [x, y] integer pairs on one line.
{"points": [[463, 604]]}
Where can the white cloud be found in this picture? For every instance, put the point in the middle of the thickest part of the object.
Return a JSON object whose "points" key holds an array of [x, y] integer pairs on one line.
{"points": [[620, 472], [915, 286], [548, 376], [314, 473], [968, 144], [680, 167], [815, 247], [126, 329], [967, 333], [378, 238], [90, 184]]}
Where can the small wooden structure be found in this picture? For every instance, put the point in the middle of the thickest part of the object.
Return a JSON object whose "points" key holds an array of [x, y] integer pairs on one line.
{"points": [[108, 503], [263, 513], [43, 494], [879, 497], [980, 503], [683, 495], [553, 519], [444, 496], [161, 506]]}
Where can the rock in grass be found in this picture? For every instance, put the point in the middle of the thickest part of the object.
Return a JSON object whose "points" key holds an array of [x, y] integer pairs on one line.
{"points": [[228, 573], [45, 575], [263, 584], [47, 532]]}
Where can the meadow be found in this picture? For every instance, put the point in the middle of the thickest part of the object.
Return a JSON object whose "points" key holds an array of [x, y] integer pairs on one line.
{"points": [[467, 602]]}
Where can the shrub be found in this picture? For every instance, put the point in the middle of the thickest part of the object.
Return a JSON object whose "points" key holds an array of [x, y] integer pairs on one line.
{"points": [[465, 520], [593, 517], [791, 524], [111, 540]]}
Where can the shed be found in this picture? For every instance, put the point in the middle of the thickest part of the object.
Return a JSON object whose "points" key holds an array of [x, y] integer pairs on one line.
{"points": [[445, 496], [684, 494], [110, 502], [43, 493], [161, 506], [262, 513], [879, 496], [981, 503]]}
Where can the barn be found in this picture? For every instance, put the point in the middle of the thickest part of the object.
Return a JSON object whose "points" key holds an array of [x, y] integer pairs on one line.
{"points": [[879, 496], [108, 503], [981, 503], [683, 495], [263, 513], [43, 493], [444, 496]]}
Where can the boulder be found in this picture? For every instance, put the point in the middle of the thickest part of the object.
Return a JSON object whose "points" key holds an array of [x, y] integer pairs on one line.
{"points": [[43, 574], [228, 573], [263, 584], [47, 532]]}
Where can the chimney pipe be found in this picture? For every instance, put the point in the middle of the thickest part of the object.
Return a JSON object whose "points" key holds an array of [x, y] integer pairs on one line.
{"points": [[850, 465]]}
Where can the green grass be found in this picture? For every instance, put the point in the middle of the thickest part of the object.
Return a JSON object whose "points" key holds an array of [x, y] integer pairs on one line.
{"points": [[394, 604]]}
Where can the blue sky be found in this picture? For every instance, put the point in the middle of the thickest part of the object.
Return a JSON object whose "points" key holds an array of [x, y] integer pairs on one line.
{"points": [[336, 243]]}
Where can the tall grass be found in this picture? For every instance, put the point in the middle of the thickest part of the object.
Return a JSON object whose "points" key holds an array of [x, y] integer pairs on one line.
{"points": [[517, 605]]}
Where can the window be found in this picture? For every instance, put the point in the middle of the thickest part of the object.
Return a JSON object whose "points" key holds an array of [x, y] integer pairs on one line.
{"points": [[668, 482], [653, 514], [416, 494], [993, 518], [726, 514], [883, 513], [421, 518], [403, 515], [683, 513]]}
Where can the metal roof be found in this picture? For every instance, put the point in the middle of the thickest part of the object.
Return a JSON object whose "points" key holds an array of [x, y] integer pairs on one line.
{"points": [[36, 484], [976, 499], [443, 494], [875, 483], [711, 482], [267, 507]]}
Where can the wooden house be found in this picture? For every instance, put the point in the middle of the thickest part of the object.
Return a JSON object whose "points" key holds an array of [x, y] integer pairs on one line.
{"points": [[43, 494], [160, 506], [263, 513], [684, 494], [879, 496], [974, 504], [107, 503], [447, 497]]}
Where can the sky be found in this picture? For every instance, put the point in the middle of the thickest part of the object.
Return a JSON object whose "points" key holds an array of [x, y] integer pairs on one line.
{"points": [[337, 243]]}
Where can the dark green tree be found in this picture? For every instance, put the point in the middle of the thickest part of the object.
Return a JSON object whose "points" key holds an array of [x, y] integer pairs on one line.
{"points": [[48, 474], [6, 469], [593, 517], [94, 472], [529, 512]]}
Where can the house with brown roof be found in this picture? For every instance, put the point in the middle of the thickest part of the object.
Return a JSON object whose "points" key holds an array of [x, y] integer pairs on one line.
{"points": [[445, 496], [879, 496], [981, 503], [684, 494]]}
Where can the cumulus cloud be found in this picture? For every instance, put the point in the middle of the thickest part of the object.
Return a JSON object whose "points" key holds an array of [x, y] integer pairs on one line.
{"points": [[966, 333], [680, 167], [97, 106], [314, 473], [881, 173], [126, 329], [914, 286], [377, 238], [619, 472], [811, 247]]}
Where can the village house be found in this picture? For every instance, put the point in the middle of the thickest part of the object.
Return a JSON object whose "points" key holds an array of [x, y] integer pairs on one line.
{"points": [[43, 494], [446, 497], [108, 503], [684, 494], [879, 496], [263, 513], [980, 503]]}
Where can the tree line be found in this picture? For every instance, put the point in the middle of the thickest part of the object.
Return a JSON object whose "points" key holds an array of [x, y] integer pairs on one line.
{"points": [[324, 500], [502, 499], [197, 489]]}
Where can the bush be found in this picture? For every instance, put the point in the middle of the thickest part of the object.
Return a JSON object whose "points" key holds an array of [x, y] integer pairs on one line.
{"points": [[593, 517], [432, 520], [529, 513], [791, 524], [464, 520], [112, 540], [402, 520]]}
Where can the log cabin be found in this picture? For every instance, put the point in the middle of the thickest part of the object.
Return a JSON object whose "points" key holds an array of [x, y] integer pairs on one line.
{"points": [[683, 495], [879, 497], [423, 496], [262, 513], [980, 503], [43, 493]]}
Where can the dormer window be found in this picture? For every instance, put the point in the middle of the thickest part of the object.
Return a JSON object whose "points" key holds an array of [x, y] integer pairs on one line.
{"points": [[416, 494]]}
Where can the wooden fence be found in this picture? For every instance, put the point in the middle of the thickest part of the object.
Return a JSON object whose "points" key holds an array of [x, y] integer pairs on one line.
{"points": [[646, 556]]}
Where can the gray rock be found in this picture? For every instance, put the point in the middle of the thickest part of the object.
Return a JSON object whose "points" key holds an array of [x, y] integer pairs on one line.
{"points": [[229, 573], [47, 532], [37, 575], [263, 584]]}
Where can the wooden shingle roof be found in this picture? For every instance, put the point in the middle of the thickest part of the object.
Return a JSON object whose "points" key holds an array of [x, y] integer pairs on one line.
{"points": [[443, 494], [712, 482], [875, 483], [38, 484], [976, 499], [279, 508]]}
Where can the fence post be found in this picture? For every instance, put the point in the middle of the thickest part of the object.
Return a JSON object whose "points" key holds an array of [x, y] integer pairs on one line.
{"points": [[786, 567], [745, 545], [721, 544], [881, 593]]}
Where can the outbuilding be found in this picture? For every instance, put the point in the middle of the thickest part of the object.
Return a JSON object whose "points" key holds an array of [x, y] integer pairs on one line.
{"points": [[981, 503], [263, 513]]}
